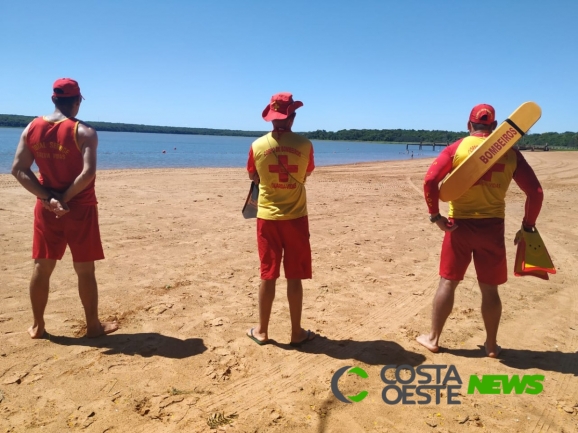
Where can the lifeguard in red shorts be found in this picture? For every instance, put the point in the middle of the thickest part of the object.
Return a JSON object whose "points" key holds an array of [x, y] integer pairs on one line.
{"points": [[280, 162], [64, 149], [475, 227]]}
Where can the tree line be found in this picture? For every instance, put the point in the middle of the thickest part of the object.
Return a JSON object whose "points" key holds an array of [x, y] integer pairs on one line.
{"points": [[388, 135], [552, 139], [11, 120]]}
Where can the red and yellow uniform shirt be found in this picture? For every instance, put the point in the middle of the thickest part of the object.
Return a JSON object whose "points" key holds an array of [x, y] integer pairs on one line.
{"points": [[58, 156], [282, 161], [486, 199]]}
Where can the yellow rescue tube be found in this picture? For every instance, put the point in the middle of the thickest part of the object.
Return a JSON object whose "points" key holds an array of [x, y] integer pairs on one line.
{"points": [[490, 151]]}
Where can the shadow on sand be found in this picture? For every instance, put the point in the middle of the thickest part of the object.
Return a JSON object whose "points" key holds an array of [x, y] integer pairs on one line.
{"points": [[561, 362], [143, 344], [378, 352]]}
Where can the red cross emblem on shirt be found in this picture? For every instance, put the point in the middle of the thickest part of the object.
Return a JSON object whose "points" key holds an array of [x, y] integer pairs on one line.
{"points": [[283, 168], [496, 168]]}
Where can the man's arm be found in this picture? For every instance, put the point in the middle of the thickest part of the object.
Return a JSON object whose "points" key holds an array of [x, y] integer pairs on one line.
{"points": [[435, 174], [526, 179], [311, 164], [254, 176], [22, 171], [88, 142], [252, 169]]}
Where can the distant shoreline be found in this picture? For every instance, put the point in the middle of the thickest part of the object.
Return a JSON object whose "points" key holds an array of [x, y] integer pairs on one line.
{"points": [[257, 136], [385, 136]]}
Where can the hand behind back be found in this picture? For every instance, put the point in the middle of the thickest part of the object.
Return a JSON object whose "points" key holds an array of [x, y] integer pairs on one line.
{"points": [[56, 205]]}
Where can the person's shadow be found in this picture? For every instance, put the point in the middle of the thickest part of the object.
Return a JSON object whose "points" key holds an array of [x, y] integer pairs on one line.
{"points": [[523, 359], [377, 352], [145, 344]]}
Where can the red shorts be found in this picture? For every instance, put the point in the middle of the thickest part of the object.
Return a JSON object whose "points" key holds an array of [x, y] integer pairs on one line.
{"points": [[484, 240], [78, 229], [288, 239]]}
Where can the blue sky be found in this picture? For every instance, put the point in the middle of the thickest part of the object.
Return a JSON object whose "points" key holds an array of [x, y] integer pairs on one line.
{"points": [[382, 64]]}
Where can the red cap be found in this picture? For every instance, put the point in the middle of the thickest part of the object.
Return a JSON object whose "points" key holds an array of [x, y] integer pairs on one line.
{"points": [[65, 88], [483, 113], [280, 107]]}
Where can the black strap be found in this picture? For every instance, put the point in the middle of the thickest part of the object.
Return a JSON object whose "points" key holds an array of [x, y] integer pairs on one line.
{"points": [[513, 125]]}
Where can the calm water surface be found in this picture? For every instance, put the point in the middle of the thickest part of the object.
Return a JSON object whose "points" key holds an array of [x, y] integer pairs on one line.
{"points": [[120, 150]]}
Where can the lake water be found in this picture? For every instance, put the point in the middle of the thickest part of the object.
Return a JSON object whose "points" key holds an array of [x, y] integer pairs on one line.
{"points": [[119, 150]]}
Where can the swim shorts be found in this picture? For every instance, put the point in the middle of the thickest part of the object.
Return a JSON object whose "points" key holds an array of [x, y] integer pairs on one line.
{"points": [[287, 239], [78, 229], [482, 239]]}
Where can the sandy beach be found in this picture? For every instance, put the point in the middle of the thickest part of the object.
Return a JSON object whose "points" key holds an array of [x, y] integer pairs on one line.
{"points": [[181, 275]]}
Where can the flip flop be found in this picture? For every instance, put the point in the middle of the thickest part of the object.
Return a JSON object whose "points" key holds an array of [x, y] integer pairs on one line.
{"points": [[256, 340], [310, 336]]}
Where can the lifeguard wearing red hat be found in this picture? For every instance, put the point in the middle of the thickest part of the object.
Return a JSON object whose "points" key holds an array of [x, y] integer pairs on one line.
{"points": [[64, 149], [280, 162], [475, 226]]}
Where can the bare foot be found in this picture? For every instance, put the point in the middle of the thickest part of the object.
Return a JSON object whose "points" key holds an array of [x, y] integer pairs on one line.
{"points": [[36, 331], [103, 329], [492, 352], [429, 344]]}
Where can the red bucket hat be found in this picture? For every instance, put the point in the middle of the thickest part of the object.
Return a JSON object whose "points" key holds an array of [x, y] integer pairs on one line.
{"points": [[483, 113], [65, 88], [281, 106]]}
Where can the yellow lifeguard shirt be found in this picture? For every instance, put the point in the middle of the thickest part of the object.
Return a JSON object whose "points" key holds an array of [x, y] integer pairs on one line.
{"points": [[282, 161], [486, 199]]}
